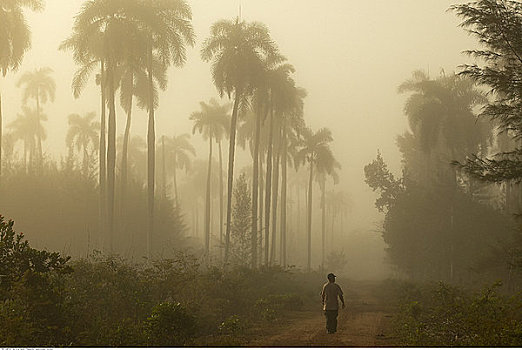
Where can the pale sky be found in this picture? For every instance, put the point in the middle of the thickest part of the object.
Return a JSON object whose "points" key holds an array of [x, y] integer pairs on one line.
{"points": [[349, 55]]}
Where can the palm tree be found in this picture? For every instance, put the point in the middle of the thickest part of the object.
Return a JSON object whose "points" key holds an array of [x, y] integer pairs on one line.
{"points": [[212, 122], [103, 32], [82, 133], [15, 40], [315, 150], [179, 149], [166, 26], [26, 128], [237, 50], [440, 114], [39, 86]]}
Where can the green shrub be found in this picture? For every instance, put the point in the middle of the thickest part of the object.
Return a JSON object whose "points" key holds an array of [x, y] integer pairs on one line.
{"points": [[449, 316], [170, 324]]}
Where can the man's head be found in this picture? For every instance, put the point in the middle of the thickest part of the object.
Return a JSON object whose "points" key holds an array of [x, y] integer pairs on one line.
{"points": [[331, 277]]}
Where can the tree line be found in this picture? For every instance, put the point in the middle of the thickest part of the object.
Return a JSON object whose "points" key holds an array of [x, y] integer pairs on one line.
{"points": [[128, 46]]}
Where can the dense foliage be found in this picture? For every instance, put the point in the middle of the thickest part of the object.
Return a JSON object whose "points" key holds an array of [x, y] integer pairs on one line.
{"points": [[46, 300], [441, 315]]}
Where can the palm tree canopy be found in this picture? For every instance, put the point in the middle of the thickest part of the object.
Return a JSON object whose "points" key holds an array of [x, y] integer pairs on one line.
{"points": [[15, 37], [237, 50], [83, 131], [38, 84], [180, 148], [212, 120], [445, 107], [315, 149], [25, 127]]}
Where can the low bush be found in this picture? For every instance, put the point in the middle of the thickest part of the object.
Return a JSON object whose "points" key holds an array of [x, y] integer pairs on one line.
{"points": [[444, 315]]}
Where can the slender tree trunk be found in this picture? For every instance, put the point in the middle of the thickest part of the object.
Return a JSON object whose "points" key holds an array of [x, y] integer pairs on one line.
{"points": [[261, 207], [284, 161], [151, 154], [111, 156], [275, 190], [175, 166], [220, 202], [323, 221], [207, 200], [309, 221], [231, 152], [268, 189], [39, 162], [255, 187], [163, 171], [102, 157], [1, 145], [85, 165], [124, 160]]}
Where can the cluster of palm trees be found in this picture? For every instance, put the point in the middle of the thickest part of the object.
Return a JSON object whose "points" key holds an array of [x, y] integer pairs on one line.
{"points": [[130, 44]]}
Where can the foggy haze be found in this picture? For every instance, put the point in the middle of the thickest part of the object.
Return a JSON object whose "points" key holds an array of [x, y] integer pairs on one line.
{"points": [[350, 56]]}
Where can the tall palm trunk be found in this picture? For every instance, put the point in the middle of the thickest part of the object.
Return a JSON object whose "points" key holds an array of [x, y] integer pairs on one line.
{"points": [[151, 154], [220, 201], [231, 152], [1, 146], [309, 219], [175, 166], [268, 188], [323, 220], [85, 163], [255, 187], [39, 162], [163, 171], [102, 156], [111, 155], [207, 200], [284, 159], [275, 191], [261, 207], [124, 159]]}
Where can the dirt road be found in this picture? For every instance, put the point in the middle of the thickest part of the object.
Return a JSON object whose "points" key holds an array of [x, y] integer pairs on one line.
{"points": [[365, 322]]}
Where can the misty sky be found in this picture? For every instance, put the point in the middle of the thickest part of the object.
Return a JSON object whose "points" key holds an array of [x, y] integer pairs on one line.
{"points": [[349, 55]]}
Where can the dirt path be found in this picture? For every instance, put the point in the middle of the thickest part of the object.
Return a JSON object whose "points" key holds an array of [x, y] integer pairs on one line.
{"points": [[365, 322]]}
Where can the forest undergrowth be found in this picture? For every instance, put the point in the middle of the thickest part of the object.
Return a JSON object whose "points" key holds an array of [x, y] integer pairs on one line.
{"points": [[50, 300]]}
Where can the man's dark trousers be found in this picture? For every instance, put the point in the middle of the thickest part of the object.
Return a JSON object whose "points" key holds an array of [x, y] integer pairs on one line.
{"points": [[331, 320]]}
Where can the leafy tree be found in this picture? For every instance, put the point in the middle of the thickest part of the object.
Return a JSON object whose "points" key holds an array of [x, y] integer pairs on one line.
{"points": [[212, 121], [497, 24], [15, 40], [237, 50], [379, 178], [241, 242]]}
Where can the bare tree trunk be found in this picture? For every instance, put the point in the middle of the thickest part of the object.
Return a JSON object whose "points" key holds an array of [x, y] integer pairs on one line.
{"points": [[284, 161], [39, 162], [275, 188], [231, 152], [255, 187], [102, 156], [1, 146], [207, 200], [261, 207], [323, 221], [124, 160], [309, 238], [175, 166], [268, 189], [111, 156], [163, 171], [220, 202], [151, 154]]}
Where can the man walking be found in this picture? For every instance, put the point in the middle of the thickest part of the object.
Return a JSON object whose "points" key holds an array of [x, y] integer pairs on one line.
{"points": [[331, 291]]}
